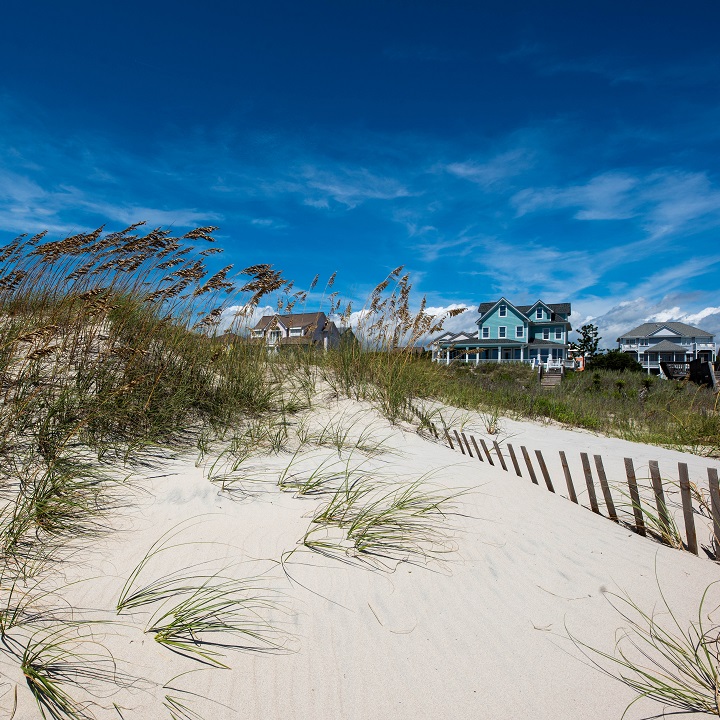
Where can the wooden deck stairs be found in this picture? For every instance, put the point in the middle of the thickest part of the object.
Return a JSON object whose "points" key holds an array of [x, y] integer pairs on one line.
{"points": [[551, 377]]}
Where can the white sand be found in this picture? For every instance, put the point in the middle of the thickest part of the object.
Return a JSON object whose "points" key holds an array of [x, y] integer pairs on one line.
{"points": [[482, 634]]}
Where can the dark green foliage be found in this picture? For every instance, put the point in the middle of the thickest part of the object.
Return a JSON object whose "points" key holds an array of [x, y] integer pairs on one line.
{"points": [[588, 340], [614, 360]]}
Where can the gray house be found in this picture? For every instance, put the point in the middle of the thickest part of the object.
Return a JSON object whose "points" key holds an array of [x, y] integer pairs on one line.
{"points": [[653, 343], [299, 329]]}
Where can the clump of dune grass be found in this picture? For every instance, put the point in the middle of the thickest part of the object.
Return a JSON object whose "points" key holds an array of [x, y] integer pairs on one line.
{"points": [[197, 610], [60, 664], [370, 520], [662, 659]]}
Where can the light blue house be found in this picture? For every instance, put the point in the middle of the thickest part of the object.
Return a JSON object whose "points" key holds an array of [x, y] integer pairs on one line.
{"points": [[536, 334]]}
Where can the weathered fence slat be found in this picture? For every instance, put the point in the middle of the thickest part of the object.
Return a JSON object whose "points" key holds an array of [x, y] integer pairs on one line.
{"points": [[568, 477], [500, 455], [544, 470], [715, 503], [477, 449], [589, 482], [635, 497], [515, 463], [467, 444], [605, 488], [487, 452], [529, 464], [459, 441], [449, 439], [663, 516], [434, 431], [686, 497]]}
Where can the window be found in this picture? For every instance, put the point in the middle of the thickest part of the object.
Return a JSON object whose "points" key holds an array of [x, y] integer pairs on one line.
{"points": [[274, 334], [643, 341], [502, 330], [558, 333], [539, 313], [546, 333], [503, 311], [295, 332], [257, 333], [519, 331], [486, 332]]}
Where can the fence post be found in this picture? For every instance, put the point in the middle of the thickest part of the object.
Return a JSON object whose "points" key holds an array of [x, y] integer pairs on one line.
{"points": [[529, 464], [500, 455], [449, 439], [477, 449], [635, 497], [686, 496], [459, 441], [663, 515], [487, 452], [715, 503], [605, 488], [515, 463], [467, 444], [568, 477], [544, 470], [589, 482]]}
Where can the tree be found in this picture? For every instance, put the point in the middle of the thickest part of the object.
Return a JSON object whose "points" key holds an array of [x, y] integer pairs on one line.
{"points": [[587, 343], [614, 360]]}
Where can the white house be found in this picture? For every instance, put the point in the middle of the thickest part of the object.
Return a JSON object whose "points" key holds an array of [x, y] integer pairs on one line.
{"points": [[652, 343]]}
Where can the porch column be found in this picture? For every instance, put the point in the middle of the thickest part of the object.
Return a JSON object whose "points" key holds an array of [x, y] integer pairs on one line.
{"points": [[522, 354], [447, 356], [477, 356], [499, 354]]}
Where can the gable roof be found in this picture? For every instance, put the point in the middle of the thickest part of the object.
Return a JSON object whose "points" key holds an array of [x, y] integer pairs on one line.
{"points": [[558, 308], [647, 329], [666, 346], [292, 320]]}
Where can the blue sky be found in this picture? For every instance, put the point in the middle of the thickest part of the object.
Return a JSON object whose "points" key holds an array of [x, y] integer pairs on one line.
{"points": [[565, 151]]}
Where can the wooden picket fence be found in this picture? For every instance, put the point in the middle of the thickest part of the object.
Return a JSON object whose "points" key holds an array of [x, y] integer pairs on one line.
{"points": [[468, 445]]}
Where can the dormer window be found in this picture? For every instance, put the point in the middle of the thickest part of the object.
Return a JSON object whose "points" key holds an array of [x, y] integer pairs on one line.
{"points": [[295, 332], [539, 313], [503, 311], [257, 333]]}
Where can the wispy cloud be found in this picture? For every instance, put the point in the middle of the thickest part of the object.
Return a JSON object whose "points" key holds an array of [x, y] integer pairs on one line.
{"points": [[664, 202]]}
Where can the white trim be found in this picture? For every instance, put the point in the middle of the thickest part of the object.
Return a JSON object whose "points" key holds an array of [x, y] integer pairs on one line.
{"points": [[486, 332], [502, 335], [519, 331], [502, 310]]}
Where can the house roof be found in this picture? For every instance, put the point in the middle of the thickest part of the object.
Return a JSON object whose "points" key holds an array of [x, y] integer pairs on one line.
{"points": [[293, 320], [666, 346], [558, 308], [647, 329]]}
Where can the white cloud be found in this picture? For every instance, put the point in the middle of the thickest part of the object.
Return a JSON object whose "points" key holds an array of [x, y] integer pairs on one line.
{"points": [[664, 201]]}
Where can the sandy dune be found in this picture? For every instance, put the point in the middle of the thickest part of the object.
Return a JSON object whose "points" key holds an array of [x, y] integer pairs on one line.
{"points": [[481, 631]]}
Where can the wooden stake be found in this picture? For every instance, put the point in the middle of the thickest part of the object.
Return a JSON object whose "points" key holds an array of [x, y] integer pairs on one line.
{"points": [[544, 470], [568, 477], [663, 516], [515, 463], [500, 455], [467, 445], [605, 488], [477, 449], [589, 482], [487, 452], [524, 451], [715, 504], [459, 441], [686, 497], [635, 497], [449, 439]]}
